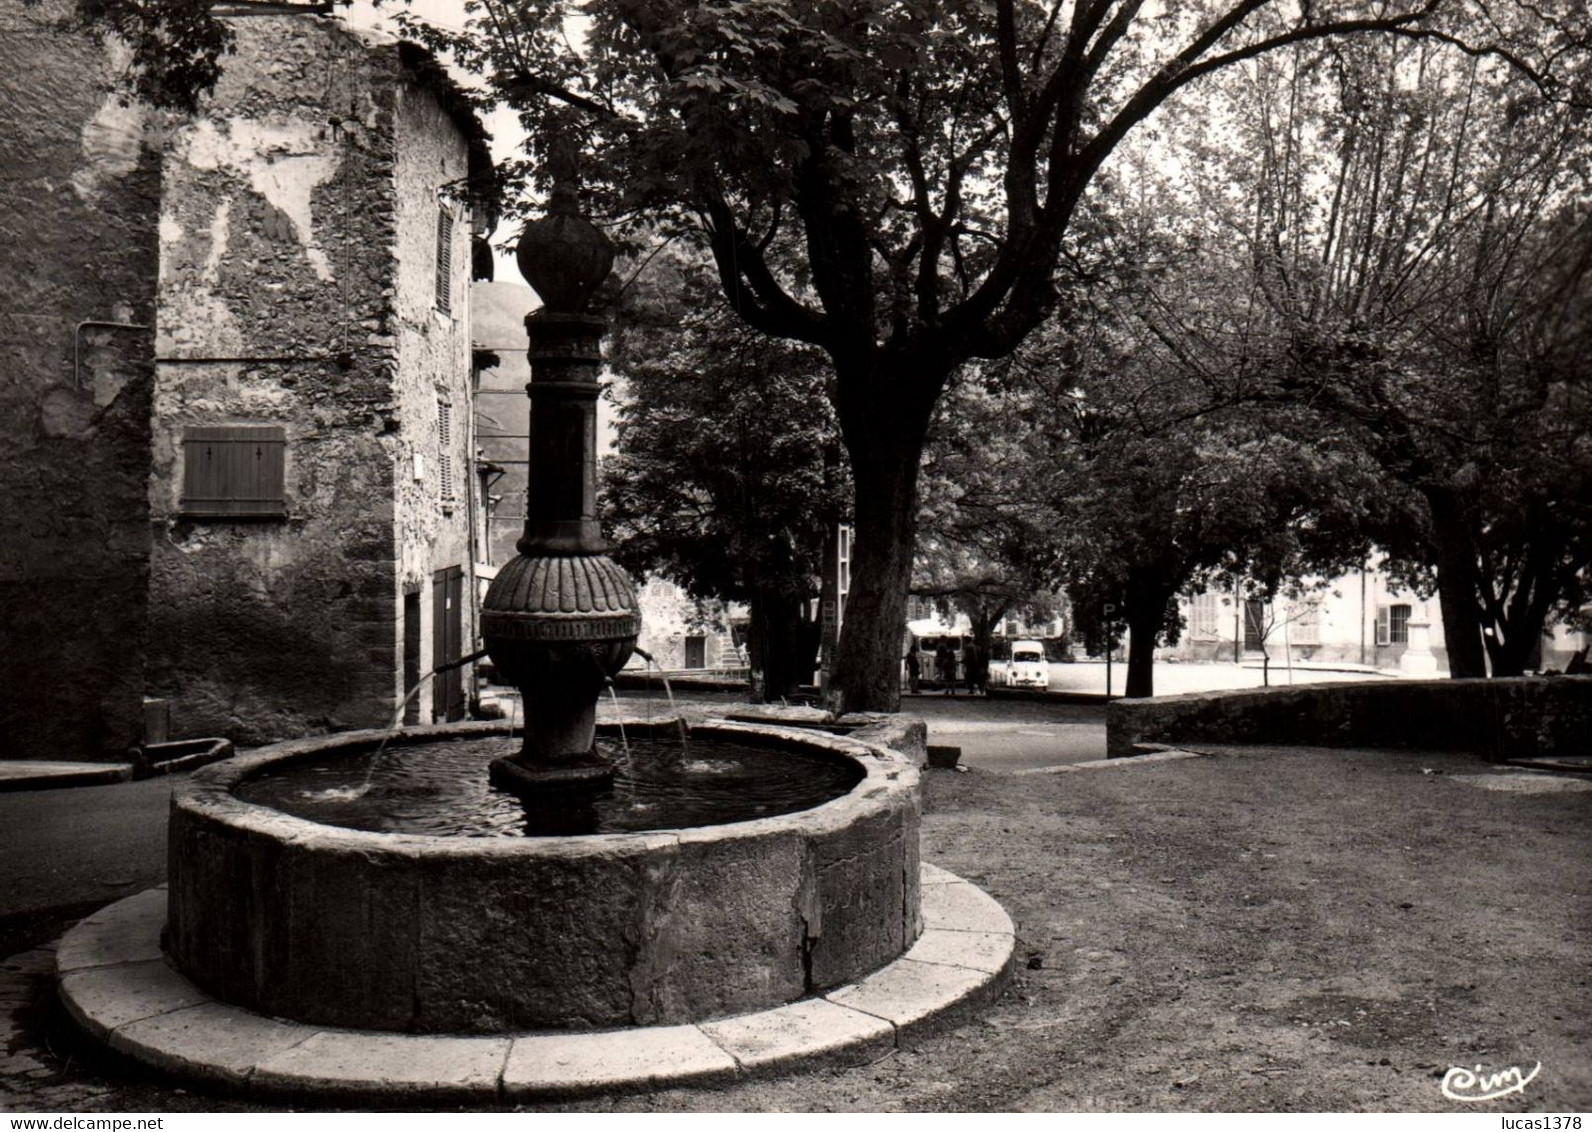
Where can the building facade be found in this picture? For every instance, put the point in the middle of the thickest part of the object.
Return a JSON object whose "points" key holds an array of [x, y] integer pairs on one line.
{"points": [[1362, 619], [79, 209], [310, 488], [259, 316]]}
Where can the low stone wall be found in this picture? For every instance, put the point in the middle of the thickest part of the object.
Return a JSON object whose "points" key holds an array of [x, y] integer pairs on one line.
{"points": [[1497, 719]]}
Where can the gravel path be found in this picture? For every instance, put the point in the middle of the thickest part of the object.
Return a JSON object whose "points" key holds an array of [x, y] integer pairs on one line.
{"points": [[1257, 929]]}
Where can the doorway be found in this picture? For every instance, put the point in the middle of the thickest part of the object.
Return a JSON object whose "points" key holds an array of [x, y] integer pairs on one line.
{"points": [[447, 632]]}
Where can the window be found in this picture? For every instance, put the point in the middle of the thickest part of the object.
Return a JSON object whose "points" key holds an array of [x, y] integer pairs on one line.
{"points": [[233, 471], [1393, 625], [444, 261], [445, 452], [1306, 627], [1202, 615], [1255, 626]]}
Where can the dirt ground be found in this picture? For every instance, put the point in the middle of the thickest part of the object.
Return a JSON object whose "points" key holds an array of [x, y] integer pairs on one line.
{"points": [[1254, 930]]}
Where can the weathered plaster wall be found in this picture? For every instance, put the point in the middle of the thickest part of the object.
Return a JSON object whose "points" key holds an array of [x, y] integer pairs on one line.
{"points": [[433, 363], [285, 258], [79, 193]]}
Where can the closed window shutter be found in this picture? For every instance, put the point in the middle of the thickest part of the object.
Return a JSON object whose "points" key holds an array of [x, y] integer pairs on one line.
{"points": [[234, 471], [444, 261], [445, 450]]}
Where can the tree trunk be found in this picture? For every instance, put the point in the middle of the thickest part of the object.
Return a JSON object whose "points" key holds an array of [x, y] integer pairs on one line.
{"points": [[1146, 613], [784, 645], [1457, 586], [885, 440], [1508, 655]]}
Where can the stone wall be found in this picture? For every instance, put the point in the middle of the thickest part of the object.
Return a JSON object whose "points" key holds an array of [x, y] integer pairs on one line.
{"points": [[1497, 719], [79, 196], [433, 365], [284, 261]]}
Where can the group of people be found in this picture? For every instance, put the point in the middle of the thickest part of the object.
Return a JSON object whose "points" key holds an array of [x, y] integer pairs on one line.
{"points": [[974, 668]]}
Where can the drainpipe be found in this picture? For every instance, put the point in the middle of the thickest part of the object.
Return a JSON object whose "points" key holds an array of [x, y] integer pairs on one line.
{"points": [[1362, 611]]}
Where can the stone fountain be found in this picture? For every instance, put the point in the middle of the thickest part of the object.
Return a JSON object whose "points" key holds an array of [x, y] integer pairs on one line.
{"points": [[300, 957], [560, 618]]}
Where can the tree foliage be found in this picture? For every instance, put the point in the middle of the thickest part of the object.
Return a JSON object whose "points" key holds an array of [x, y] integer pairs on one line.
{"points": [[985, 538], [895, 181], [720, 480], [1414, 240]]}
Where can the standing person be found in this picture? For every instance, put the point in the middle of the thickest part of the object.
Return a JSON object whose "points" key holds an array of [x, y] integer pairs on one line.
{"points": [[945, 667], [972, 659], [914, 669]]}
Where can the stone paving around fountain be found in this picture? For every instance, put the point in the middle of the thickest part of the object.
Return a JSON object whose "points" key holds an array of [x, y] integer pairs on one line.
{"points": [[117, 986]]}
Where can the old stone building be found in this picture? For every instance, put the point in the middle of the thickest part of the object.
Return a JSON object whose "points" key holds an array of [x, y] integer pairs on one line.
{"points": [[311, 490], [79, 201], [502, 410], [297, 551]]}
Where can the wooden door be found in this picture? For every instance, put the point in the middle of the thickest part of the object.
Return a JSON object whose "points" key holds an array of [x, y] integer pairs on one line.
{"points": [[411, 656], [447, 632]]}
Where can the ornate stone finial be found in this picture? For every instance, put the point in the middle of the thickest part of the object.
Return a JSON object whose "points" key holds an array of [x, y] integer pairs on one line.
{"points": [[563, 255]]}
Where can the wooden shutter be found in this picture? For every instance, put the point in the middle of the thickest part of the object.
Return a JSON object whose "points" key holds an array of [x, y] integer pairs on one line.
{"points": [[234, 471], [1383, 621], [444, 261], [445, 450]]}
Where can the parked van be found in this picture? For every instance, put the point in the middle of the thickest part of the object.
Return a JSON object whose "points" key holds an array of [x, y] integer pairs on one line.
{"points": [[1025, 667], [927, 646]]}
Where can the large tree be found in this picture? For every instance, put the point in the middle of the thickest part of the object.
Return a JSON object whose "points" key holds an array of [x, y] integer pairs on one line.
{"points": [[1414, 233], [894, 182]]}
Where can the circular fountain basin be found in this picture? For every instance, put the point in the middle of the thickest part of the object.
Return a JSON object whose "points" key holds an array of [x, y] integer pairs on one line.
{"points": [[494, 934], [658, 783]]}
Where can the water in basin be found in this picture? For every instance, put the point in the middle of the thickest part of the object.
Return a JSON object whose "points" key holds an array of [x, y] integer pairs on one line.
{"points": [[442, 789]]}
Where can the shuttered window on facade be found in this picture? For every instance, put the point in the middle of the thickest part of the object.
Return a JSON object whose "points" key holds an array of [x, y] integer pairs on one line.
{"points": [[1393, 625], [444, 261], [445, 452], [234, 471]]}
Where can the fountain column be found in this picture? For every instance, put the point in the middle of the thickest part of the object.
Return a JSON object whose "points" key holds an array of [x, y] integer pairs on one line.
{"points": [[560, 619]]}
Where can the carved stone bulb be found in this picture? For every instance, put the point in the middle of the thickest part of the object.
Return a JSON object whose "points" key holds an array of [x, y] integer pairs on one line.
{"points": [[563, 255]]}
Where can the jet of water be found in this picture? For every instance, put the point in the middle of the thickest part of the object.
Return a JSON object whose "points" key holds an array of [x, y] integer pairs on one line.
{"points": [[652, 665], [622, 740], [398, 719]]}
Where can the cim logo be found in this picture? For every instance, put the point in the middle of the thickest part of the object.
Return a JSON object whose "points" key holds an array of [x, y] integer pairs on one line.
{"points": [[1469, 1086]]}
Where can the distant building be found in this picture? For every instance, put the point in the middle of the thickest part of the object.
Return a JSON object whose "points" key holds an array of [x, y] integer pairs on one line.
{"points": [[303, 445], [682, 633], [1361, 618], [502, 409]]}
